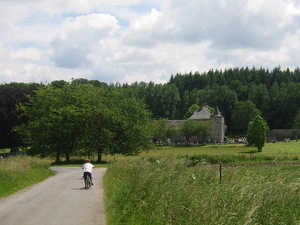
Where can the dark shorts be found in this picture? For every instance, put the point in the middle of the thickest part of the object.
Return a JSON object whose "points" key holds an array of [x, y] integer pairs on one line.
{"points": [[87, 174]]}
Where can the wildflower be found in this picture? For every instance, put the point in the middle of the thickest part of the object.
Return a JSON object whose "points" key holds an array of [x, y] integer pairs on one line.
{"points": [[193, 176]]}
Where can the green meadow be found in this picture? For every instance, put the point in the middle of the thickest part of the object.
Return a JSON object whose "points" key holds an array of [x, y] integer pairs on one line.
{"points": [[187, 185], [184, 185], [281, 151], [17, 173]]}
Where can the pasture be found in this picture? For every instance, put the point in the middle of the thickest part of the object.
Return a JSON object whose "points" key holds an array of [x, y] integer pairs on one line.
{"points": [[280, 151], [17, 173], [165, 186], [183, 185]]}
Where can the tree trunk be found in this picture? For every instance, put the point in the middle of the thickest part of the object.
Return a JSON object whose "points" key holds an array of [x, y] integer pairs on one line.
{"points": [[100, 150], [57, 157], [68, 157], [187, 141]]}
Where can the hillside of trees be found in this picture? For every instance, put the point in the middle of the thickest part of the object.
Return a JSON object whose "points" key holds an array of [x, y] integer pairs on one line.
{"points": [[238, 92], [275, 93]]}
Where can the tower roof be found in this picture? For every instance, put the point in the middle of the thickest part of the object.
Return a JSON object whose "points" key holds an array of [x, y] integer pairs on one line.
{"points": [[217, 112]]}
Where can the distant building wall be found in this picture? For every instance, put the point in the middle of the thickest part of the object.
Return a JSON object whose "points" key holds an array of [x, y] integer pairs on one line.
{"points": [[218, 129], [281, 134], [204, 114]]}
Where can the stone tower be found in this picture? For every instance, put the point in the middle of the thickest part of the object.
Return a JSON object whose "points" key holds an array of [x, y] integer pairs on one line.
{"points": [[218, 126]]}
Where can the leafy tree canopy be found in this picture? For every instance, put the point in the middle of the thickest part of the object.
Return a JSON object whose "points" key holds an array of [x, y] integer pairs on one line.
{"points": [[191, 111], [190, 128], [11, 95], [63, 121], [257, 130], [243, 113], [296, 124]]}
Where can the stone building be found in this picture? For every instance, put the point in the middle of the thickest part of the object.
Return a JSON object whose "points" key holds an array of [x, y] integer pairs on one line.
{"points": [[217, 120], [283, 134]]}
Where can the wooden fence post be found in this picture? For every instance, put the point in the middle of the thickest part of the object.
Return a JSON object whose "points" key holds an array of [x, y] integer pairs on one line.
{"points": [[220, 173]]}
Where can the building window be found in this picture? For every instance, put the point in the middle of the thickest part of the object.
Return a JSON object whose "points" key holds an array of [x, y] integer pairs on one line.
{"points": [[218, 133]]}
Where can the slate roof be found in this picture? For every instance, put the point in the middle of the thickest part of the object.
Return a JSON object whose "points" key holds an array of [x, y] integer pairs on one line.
{"points": [[217, 112], [202, 113]]}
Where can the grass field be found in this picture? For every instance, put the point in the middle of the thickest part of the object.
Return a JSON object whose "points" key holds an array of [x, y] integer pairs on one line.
{"points": [[17, 173], [161, 186], [280, 151], [183, 185]]}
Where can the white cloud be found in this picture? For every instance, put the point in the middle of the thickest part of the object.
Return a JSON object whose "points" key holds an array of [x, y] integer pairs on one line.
{"points": [[101, 23], [135, 40], [36, 73], [79, 37], [31, 53], [229, 24]]}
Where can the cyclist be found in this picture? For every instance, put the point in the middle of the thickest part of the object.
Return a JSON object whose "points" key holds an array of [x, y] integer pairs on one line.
{"points": [[87, 170]]}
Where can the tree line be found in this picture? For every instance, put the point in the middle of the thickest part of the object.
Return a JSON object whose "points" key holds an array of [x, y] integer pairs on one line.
{"points": [[91, 106], [83, 120], [276, 94]]}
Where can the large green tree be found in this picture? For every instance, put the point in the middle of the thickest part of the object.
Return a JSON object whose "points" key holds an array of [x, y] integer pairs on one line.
{"points": [[11, 95], [243, 113], [257, 131], [163, 129], [160, 130], [190, 128], [129, 124], [81, 118], [296, 124], [221, 96], [259, 95], [204, 130], [56, 121]]}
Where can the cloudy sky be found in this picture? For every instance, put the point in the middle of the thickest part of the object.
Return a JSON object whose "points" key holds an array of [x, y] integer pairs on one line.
{"points": [[143, 40]]}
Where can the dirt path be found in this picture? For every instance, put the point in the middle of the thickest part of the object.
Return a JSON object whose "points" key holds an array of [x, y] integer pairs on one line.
{"points": [[59, 200]]}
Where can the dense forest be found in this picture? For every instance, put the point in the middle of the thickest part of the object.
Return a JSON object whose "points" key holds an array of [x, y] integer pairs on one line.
{"points": [[274, 94]]}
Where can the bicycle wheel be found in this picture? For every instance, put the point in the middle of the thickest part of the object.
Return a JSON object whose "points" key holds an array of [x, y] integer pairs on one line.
{"points": [[88, 182]]}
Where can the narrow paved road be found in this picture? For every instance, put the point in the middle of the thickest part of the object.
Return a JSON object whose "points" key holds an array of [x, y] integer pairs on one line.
{"points": [[59, 200]]}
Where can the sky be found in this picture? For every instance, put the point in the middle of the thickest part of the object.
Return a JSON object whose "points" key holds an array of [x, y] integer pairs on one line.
{"points": [[126, 41]]}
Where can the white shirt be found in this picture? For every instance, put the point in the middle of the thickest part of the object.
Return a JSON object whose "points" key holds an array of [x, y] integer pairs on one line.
{"points": [[87, 167]]}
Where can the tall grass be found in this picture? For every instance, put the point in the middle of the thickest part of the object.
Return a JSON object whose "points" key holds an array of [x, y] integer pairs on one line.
{"points": [[240, 159], [166, 190], [17, 173]]}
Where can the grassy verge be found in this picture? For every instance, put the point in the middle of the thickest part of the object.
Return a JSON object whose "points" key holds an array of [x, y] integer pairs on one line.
{"points": [[280, 152], [17, 173], [166, 190], [78, 162]]}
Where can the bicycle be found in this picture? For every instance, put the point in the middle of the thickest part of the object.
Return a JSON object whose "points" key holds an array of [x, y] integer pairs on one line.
{"points": [[87, 168], [87, 182]]}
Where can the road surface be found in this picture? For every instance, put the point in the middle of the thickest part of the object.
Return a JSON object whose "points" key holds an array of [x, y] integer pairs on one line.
{"points": [[59, 200]]}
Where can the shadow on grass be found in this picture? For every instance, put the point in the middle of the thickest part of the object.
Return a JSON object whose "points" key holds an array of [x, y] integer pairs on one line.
{"points": [[76, 162], [250, 152]]}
